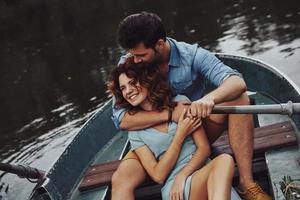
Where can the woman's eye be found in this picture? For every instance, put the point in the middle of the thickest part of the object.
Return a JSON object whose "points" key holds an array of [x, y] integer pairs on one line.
{"points": [[133, 82]]}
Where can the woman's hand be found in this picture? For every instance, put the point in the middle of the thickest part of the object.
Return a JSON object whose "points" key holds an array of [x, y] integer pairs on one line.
{"points": [[187, 125], [177, 189]]}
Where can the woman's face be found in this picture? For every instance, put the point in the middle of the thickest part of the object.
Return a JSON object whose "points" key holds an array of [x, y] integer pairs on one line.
{"points": [[132, 91]]}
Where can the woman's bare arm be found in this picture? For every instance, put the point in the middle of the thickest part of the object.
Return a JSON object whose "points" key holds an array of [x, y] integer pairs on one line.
{"points": [[143, 119], [159, 170], [198, 159], [200, 156]]}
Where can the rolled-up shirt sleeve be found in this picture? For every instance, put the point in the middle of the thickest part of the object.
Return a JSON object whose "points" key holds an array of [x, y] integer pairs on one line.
{"points": [[117, 114], [179, 97], [215, 71]]}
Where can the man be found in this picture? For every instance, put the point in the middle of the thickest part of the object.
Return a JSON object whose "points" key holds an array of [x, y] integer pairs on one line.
{"points": [[186, 66]]}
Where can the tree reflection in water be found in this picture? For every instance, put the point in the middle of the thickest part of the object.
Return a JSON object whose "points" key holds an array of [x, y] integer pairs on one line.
{"points": [[55, 57]]}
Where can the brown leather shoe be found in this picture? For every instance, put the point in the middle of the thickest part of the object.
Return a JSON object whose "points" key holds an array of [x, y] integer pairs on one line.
{"points": [[254, 193]]}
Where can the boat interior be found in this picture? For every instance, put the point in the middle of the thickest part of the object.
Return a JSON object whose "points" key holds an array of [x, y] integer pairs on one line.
{"points": [[84, 170], [265, 163]]}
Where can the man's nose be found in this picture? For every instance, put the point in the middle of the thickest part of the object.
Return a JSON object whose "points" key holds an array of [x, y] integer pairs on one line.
{"points": [[137, 59]]}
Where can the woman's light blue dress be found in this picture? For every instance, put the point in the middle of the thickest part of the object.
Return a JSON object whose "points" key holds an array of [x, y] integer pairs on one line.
{"points": [[158, 142]]}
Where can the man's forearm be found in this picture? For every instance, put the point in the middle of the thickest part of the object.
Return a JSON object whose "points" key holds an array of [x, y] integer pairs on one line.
{"points": [[143, 119], [230, 89]]}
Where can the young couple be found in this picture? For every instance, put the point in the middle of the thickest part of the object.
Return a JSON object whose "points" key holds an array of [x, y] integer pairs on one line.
{"points": [[170, 140]]}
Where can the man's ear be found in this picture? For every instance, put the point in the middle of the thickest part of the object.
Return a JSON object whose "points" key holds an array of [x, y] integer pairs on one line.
{"points": [[160, 44]]}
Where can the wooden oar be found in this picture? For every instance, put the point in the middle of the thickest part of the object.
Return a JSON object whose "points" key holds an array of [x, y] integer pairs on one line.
{"points": [[289, 108]]}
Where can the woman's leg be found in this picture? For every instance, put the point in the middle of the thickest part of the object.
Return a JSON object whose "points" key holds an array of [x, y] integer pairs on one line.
{"points": [[129, 175], [213, 181]]}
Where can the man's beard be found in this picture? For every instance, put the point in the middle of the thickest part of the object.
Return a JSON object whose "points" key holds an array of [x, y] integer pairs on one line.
{"points": [[156, 61]]}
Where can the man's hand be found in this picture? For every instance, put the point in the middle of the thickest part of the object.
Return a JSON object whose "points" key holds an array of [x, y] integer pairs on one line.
{"points": [[179, 109], [201, 108]]}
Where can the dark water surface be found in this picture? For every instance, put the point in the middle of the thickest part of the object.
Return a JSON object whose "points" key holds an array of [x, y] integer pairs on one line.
{"points": [[55, 56]]}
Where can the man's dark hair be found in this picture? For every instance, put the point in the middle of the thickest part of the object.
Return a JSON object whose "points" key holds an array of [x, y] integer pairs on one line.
{"points": [[141, 27]]}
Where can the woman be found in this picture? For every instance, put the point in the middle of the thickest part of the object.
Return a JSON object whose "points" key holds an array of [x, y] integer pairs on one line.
{"points": [[172, 154]]}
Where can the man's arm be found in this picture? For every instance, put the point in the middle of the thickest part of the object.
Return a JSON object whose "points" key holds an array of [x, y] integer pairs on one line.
{"points": [[146, 119], [143, 119], [229, 83], [231, 88]]}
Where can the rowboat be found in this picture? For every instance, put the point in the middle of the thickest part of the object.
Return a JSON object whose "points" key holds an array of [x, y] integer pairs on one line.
{"points": [[99, 141]]}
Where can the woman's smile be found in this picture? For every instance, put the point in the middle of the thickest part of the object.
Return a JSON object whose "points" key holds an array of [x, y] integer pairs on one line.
{"points": [[134, 97], [132, 91]]}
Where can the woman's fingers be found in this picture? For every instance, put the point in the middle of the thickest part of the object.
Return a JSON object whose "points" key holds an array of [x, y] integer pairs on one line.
{"points": [[196, 124], [208, 111], [193, 111], [176, 196], [173, 196], [181, 196], [199, 122], [182, 115], [196, 121]]}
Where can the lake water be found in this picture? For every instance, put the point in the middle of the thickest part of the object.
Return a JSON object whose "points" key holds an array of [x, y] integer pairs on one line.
{"points": [[55, 56]]}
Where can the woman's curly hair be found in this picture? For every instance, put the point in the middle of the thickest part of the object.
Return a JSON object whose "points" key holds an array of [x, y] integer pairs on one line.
{"points": [[160, 93]]}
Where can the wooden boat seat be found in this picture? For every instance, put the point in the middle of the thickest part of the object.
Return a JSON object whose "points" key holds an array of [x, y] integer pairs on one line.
{"points": [[266, 138]]}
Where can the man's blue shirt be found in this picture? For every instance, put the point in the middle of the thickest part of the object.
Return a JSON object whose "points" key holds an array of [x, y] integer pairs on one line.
{"points": [[189, 67]]}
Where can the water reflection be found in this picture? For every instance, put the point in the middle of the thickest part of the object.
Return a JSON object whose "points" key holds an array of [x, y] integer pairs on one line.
{"points": [[41, 153], [55, 57]]}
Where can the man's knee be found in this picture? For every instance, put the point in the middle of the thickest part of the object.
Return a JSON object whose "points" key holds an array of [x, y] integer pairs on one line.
{"points": [[243, 99]]}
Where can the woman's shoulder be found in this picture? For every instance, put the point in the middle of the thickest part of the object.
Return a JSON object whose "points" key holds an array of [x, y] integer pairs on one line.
{"points": [[180, 97], [138, 134], [134, 134]]}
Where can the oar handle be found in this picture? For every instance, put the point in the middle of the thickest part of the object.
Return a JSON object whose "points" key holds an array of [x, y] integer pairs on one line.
{"points": [[284, 109], [296, 107], [22, 171]]}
